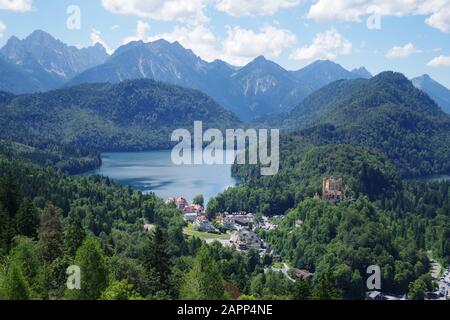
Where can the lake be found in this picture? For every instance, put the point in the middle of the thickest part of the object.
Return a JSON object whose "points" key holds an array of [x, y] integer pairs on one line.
{"points": [[153, 171]]}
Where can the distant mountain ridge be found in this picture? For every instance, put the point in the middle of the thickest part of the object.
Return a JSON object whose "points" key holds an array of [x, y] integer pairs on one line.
{"points": [[48, 62], [435, 90], [362, 72], [259, 88], [321, 73]]}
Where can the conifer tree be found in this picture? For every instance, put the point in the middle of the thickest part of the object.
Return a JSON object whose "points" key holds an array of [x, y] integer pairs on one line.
{"points": [[27, 219], [204, 281], [74, 234], [51, 235], [9, 193], [94, 272], [15, 285], [157, 261], [6, 230]]}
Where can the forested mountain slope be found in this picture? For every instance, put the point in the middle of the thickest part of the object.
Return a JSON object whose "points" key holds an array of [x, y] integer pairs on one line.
{"points": [[132, 115]]}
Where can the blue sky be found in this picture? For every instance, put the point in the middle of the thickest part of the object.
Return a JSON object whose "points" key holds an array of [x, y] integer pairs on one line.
{"points": [[412, 37]]}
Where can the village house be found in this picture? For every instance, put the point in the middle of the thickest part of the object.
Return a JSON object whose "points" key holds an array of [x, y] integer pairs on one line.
{"points": [[182, 204], [228, 223], [265, 224], [190, 216], [195, 208], [246, 239], [242, 219], [203, 224]]}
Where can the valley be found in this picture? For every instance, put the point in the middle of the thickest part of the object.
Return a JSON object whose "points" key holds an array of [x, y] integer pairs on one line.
{"points": [[86, 169]]}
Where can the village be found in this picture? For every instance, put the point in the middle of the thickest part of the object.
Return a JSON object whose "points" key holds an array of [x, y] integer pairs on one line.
{"points": [[230, 229], [240, 230]]}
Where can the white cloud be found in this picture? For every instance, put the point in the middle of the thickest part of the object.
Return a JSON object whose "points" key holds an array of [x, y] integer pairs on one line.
{"points": [[115, 27], [96, 37], [16, 5], [355, 10], [166, 10], [2, 28], [325, 45], [441, 61], [239, 47], [141, 33], [254, 7], [242, 45], [200, 39], [440, 20], [402, 52]]}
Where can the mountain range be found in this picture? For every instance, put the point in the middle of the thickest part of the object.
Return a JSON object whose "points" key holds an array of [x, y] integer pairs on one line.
{"points": [[41, 63], [261, 87]]}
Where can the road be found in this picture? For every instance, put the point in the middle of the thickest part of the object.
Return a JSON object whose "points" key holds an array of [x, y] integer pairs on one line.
{"points": [[436, 271], [285, 271]]}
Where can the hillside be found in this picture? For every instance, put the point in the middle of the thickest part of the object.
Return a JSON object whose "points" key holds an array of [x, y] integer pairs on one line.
{"points": [[132, 115], [386, 113], [369, 132]]}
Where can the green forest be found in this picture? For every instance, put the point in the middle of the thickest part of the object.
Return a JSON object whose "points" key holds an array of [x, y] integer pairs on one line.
{"points": [[375, 134], [51, 221]]}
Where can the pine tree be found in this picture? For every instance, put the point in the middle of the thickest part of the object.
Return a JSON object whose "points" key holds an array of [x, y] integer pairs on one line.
{"points": [[24, 255], [51, 235], [74, 234], [119, 290], [302, 289], [6, 230], [204, 281], [417, 290], [157, 261], [9, 193], [199, 200], [16, 286], [94, 272], [325, 288], [27, 219]]}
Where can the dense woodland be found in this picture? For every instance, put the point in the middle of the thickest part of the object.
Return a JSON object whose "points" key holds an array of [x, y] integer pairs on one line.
{"points": [[50, 219], [386, 113], [132, 115], [372, 134]]}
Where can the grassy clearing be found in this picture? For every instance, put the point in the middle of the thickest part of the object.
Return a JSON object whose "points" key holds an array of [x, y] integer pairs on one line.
{"points": [[190, 231]]}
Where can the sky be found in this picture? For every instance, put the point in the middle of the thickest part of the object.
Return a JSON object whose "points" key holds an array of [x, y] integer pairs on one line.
{"points": [[408, 36]]}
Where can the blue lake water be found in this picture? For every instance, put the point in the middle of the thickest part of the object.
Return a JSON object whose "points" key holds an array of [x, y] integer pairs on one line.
{"points": [[154, 171]]}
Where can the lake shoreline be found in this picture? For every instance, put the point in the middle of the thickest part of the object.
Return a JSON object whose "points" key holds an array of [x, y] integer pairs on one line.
{"points": [[153, 171]]}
